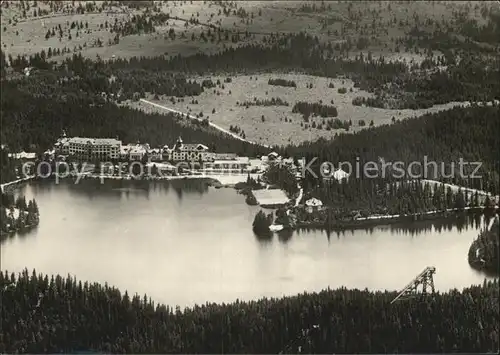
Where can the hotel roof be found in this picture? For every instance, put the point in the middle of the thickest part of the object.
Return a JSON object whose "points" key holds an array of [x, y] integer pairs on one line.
{"points": [[138, 149], [22, 155], [95, 141], [238, 162], [193, 147], [224, 156]]}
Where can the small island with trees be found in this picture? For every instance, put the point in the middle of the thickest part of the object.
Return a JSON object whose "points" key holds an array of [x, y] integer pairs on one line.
{"points": [[17, 215], [261, 224]]}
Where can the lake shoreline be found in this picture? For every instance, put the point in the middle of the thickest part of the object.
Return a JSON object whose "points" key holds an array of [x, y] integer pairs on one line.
{"points": [[371, 222], [374, 222], [215, 181], [15, 182]]}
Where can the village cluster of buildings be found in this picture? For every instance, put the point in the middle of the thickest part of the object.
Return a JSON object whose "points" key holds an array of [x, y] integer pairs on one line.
{"points": [[165, 158], [105, 149], [109, 149]]}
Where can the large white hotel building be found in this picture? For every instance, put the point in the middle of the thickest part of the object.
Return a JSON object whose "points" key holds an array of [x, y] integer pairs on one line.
{"points": [[90, 148]]}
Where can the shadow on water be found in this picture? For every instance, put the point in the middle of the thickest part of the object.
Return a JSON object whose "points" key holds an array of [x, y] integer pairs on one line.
{"points": [[285, 235], [21, 234], [186, 186], [94, 188], [487, 273], [264, 239]]}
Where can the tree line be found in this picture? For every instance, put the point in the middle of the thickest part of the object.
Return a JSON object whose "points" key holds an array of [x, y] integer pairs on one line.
{"points": [[275, 101], [327, 124], [43, 313], [315, 109], [462, 221], [282, 82]]}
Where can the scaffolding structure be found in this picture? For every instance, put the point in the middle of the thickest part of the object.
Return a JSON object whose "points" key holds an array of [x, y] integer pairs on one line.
{"points": [[424, 279]]}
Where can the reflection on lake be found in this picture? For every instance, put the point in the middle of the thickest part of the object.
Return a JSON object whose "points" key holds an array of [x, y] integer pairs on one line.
{"points": [[183, 242]]}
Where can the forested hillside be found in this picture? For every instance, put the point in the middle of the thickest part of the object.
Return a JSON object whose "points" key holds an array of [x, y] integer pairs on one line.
{"points": [[52, 314], [470, 133]]}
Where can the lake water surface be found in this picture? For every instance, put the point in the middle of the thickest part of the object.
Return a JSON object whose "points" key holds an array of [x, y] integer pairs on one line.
{"points": [[182, 242]]}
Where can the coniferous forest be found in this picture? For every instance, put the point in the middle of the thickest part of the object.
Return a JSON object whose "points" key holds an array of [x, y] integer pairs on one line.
{"points": [[47, 314]]}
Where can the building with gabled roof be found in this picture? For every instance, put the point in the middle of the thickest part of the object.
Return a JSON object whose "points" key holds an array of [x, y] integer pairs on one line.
{"points": [[155, 154], [273, 156], [189, 152], [313, 204]]}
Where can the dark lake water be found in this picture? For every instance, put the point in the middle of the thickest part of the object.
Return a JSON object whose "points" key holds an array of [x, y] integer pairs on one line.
{"points": [[183, 242]]}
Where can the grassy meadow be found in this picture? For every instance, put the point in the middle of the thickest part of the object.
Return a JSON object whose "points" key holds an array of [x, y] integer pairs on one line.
{"points": [[274, 129]]}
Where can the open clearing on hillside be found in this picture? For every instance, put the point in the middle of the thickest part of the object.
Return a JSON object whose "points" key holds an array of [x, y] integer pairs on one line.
{"points": [[274, 129], [26, 35]]}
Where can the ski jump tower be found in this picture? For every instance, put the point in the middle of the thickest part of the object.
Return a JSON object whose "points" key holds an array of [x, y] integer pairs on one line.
{"points": [[424, 279]]}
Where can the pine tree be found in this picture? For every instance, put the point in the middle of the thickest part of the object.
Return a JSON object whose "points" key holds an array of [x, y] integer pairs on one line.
{"points": [[476, 199], [459, 200]]}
